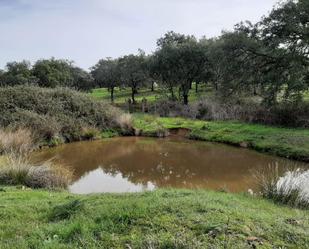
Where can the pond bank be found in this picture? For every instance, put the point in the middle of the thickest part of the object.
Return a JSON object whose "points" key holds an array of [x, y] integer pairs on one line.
{"points": [[284, 142], [159, 219]]}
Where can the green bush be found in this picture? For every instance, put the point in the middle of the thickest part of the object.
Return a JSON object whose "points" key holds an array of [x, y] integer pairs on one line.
{"points": [[58, 112]]}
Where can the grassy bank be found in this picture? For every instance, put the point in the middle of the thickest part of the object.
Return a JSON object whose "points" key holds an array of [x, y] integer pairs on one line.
{"points": [[160, 219], [289, 143]]}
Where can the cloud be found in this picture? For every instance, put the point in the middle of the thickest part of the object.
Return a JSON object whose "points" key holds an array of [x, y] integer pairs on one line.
{"points": [[87, 30]]}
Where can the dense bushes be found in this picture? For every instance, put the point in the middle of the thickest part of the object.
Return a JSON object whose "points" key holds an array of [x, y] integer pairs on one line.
{"points": [[54, 114], [282, 114]]}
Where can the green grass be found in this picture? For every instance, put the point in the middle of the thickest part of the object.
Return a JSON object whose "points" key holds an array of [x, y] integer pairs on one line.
{"points": [[285, 142], [122, 95], [159, 219]]}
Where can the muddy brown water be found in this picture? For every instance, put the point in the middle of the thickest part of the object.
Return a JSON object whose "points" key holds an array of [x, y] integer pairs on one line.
{"points": [[132, 164]]}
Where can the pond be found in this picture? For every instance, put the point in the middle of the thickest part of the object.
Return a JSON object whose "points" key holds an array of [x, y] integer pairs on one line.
{"points": [[132, 164]]}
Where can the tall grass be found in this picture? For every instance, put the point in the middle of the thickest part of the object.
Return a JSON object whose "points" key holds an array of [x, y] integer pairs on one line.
{"points": [[125, 123], [291, 188], [17, 169], [19, 142]]}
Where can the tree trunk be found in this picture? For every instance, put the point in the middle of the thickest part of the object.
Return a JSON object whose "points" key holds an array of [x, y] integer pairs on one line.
{"points": [[185, 99], [254, 90], [172, 92], [112, 94], [185, 87], [190, 86], [196, 87], [152, 86], [133, 95]]}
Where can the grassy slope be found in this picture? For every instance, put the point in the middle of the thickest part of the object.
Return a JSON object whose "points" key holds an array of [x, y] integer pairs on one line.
{"points": [[291, 143], [160, 219], [121, 96]]}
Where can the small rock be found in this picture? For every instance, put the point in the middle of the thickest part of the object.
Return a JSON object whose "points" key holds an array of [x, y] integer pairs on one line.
{"points": [[244, 145]]}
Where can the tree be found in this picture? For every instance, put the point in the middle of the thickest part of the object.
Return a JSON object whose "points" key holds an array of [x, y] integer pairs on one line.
{"points": [[17, 73], [287, 28], [287, 25], [134, 74], [107, 74], [82, 80], [181, 60], [53, 72], [153, 70]]}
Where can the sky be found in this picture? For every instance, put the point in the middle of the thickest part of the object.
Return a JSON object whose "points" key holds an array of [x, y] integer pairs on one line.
{"points": [[87, 30]]}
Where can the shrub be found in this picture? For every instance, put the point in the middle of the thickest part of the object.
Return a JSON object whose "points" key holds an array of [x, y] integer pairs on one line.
{"points": [[90, 133], [19, 171], [282, 114], [126, 124], [16, 168], [58, 112]]}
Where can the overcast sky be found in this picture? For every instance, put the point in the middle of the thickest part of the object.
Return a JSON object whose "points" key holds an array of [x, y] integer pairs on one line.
{"points": [[87, 30]]}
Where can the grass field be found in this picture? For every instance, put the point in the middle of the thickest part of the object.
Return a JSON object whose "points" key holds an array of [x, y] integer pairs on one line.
{"points": [[159, 219], [122, 95], [289, 143]]}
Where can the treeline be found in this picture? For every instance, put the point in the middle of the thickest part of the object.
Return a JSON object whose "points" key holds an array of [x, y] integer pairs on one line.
{"points": [[46, 73], [268, 59]]}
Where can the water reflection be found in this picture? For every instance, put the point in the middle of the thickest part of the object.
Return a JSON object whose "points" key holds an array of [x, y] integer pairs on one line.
{"points": [[132, 164]]}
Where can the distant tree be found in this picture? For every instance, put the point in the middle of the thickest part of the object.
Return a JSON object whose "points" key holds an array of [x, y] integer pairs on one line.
{"points": [[153, 71], [106, 73], [53, 72], [134, 73], [181, 60], [82, 80], [17, 73], [1, 77], [247, 63]]}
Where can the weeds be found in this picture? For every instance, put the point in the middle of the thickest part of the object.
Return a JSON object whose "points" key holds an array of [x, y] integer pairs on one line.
{"points": [[161, 131], [125, 123], [291, 188], [283, 114], [17, 169], [65, 211], [19, 142]]}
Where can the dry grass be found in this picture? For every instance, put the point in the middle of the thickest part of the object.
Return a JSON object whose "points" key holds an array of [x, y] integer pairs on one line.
{"points": [[291, 187], [17, 169], [125, 122], [20, 141]]}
